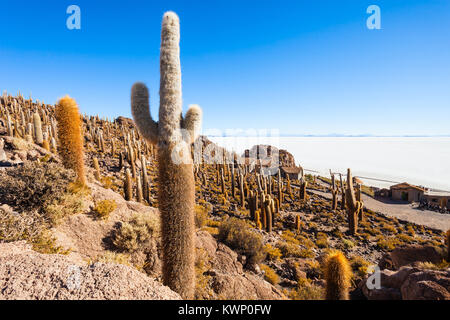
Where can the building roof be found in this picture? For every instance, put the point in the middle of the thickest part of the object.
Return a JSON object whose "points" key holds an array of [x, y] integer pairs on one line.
{"points": [[437, 193], [291, 170], [405, 185]]}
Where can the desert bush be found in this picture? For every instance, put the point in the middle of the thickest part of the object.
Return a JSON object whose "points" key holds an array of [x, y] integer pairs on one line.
{"points": [[201, 216], [348, 244], [322, 240], [359, 265], [273, 254], [288, 249], [16, 226], [31, 227], [112, 257], [68, 204], [104, 208], [270, 275], [443, 265], [387, 244], [305, 291], [202, 266], [140, 229], [33, 185], [211, 230], [237, 234]]}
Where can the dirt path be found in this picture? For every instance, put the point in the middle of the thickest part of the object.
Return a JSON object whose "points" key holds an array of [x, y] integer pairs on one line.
{"points": [[402, 211]]}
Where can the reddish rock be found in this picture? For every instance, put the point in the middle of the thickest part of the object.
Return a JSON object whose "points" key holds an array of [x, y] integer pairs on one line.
{"points": [[427, 285], [228, 279], [408, 255]]}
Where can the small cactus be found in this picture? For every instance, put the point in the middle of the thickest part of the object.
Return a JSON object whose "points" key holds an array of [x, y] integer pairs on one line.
{"points": [[338, 275]]}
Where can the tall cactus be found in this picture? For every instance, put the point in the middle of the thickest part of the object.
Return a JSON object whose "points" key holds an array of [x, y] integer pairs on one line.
{"points": [[70, 137], [176, 177], [38, 129], [353, 206]]}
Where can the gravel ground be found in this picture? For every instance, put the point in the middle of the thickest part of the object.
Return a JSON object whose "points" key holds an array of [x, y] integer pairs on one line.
{"points": [[402, 211]]}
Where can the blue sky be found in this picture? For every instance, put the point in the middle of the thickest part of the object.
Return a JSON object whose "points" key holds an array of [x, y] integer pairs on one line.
{"points": [[303, 67]]}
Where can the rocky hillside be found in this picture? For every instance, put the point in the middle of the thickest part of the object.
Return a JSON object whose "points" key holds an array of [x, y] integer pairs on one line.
{"points": [[113, 224]]}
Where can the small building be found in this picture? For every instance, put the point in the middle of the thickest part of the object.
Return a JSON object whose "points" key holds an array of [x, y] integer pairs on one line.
{"points": [[407, 192], [294, 173], [383, 193], [440, 198]]}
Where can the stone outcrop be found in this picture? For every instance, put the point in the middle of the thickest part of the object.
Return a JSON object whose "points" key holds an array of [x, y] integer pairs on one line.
{"points": [[28, 275], [410, 283], [400, 257], [227, 277]]}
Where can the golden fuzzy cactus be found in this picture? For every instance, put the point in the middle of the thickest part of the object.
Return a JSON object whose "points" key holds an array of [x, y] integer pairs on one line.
{"points": [[70, 137], [338, 274], [173, 135]]}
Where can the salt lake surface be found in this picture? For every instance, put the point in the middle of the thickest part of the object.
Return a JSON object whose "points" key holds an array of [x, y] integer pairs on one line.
{"points": [[417, 160]]}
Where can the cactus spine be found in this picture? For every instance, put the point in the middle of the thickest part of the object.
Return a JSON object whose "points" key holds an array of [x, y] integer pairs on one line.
{"points": [[337, 275], [70, 137], [176, 177]]}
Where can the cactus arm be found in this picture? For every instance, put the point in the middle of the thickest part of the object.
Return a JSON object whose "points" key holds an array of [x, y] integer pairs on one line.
{"points": [[170, 83], [140, 109], [193, 121]]}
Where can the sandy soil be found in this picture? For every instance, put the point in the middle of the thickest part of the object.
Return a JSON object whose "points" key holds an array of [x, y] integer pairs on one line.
{"points": [[402, 211]]}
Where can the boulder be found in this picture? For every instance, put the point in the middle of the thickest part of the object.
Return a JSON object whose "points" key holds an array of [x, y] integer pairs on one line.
{"points": [[427, 285], [28, 275], [408, 255], [227, 277], [410, 283]]}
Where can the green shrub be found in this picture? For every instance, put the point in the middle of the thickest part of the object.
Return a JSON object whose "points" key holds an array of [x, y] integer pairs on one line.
{"points": [[272, 253], [305, 291], [31, 227], [201, 216], [104, 208], [130, 236], [33, 185], [270, 275], [237, 235]]}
